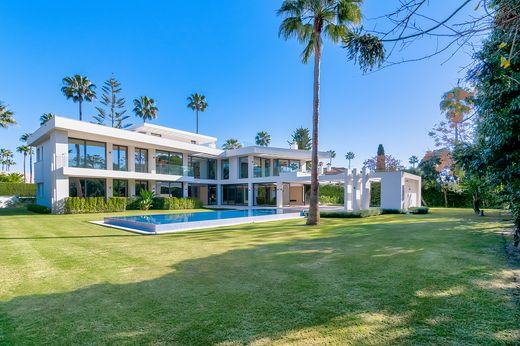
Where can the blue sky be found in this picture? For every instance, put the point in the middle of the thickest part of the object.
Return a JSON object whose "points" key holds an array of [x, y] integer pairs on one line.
{"points": [[229, 51]]}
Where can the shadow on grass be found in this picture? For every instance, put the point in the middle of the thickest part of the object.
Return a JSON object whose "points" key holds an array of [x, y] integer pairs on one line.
{"points": [[302, 289]]}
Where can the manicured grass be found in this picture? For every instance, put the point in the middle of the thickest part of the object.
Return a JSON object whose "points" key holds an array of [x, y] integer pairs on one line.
{"points": [[441, 278]]}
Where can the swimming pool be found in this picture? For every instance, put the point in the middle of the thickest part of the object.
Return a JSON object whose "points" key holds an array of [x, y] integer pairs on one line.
{"points": [[165, 223]]}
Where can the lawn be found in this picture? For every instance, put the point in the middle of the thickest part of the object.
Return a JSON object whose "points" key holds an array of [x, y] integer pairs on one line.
{"points": [[442, 278]]}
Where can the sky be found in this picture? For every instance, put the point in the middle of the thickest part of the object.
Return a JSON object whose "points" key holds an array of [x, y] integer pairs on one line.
{"points": [[229, 51]]}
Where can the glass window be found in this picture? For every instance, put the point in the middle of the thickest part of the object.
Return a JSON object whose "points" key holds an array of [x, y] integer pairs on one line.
{"points": [[140, 185], [267, 167], [243, 167], [261, 167], [141, 160], [285, 166], [87, 154], [202, 168], [168, 162], [119, 158], [170, 189], [87, 187], [212, 169], [225, 169], [120, 188], [264, 194], [235, 194]]}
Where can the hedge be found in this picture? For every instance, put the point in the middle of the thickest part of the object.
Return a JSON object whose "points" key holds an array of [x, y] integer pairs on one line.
{"points": [[17, 189], [174, 203], [419, 210], [79, 205], [392, 211], [350, 214], [40, 209]]}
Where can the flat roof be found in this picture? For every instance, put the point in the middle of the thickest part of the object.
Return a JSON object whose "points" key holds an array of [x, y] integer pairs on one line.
{"points": [[168, 132]]}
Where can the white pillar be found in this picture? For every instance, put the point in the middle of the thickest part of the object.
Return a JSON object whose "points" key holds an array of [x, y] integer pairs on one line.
{"points": [[151, 161], [279, 195], [347, 190], [184, 190], [364, 190], [250, 194], [355, 187], [131, 188], [131, 159], [219, 194], [109, 164]]}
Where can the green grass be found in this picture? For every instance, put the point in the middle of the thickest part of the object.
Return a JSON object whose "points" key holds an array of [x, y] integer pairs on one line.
{"points": [[441, 278]]}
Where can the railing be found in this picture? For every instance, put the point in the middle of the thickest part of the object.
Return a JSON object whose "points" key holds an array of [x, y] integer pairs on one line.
{"points": [[173, 170]]}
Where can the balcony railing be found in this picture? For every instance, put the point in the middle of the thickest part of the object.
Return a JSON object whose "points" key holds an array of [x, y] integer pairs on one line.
{"points": [[173, 170]]}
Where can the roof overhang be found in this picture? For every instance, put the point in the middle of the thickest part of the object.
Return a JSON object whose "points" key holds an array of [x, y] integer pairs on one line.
{"points": [[273, 152]]}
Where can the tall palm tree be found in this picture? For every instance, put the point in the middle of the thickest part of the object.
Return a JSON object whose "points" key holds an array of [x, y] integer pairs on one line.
{"points": [[263, 139], [45, 117], [413, 160], [79, 89], [6, 156], [332, 155], [231, 144], [145, 108], [24, 138], [24, 149], [309, 21], [350, 156], [6, 116], [197, 102]]}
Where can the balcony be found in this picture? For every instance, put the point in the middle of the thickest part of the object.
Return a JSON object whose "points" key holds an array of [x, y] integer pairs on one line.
{"points": [[169, 169]]}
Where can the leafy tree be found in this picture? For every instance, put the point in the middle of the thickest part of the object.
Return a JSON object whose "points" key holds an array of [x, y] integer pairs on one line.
{"points": [[301, 136], [391, 164], [79, 89], [197, 102], [6, 116], [145, 108], [413, 160], [309, 21], [110, 98], [350, 156], [262, 139], [380, 161], [45, 117], [332, 155], [24, 138], [231, 144], [25, 150], [437, 167]]}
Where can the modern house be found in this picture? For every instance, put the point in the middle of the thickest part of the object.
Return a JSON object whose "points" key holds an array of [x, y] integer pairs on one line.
{"points": [[75, 158]]}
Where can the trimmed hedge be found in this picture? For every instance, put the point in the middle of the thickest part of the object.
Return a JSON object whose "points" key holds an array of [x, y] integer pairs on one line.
{"points": [[419, 210], [392, 211], [17, 189], [79, 205], [350, 214], [40, 209], [174, 203]]}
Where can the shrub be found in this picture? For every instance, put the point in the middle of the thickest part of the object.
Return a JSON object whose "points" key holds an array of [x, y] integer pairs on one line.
{"points": [[145, 199], [11, 178], [350, 214], [329, 200], [331, 194], [17, 189], [175, 203], [40, 209], [391, 211], [132, 203], [80, 205], [115, 204], [419, 210]]}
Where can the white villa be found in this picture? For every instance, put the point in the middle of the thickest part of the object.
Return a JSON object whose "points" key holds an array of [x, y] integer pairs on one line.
{"points": [[75, 158]]}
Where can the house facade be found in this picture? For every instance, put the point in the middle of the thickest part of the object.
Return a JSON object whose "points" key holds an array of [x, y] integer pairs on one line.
{"points": [[80, 159]]}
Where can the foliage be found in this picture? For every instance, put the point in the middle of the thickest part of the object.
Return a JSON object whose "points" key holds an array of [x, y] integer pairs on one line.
{"points": [[45, 117], [79, 89], [391, 164], [39, 209], [301, 136], [231, 144], [174, 203], [413, 160], [331, 194], [263, 139], [332, 155], [11, 178], [16, 188], [419, 210], [197, 102], [6, 116], [82, 205], [145, 199], [375, 194], [350, 156], [380, 159], [145, 108], [350, 214], [365, 49], [388, 211], [132, 203], [115, 114]]}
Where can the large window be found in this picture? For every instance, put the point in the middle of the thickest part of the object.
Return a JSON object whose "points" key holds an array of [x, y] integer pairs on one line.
{"points": [[225, 169], [141, 160], [140, 185], [87, 154], [285, 166], [166, 188], [202, 168], [119, 158], [168, 162], [264, 194], [243, 165], [120, 188], [261, 167], [206, 193], [87, 187], [235, 194]]}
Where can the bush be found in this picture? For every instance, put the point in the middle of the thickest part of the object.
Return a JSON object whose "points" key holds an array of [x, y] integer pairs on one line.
{"points": [[419, 210], [350, 214], [145, 199], [40, 209], [391, 211], [329, 200], [115, 204], [175, 203], [80, 205], [11, 178], [17, 189], [331, 194], [132, 203]]}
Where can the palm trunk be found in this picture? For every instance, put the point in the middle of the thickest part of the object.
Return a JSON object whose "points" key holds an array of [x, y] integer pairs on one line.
{"points": [[197, 112], [24, 170], [80, 111], [313, 217], [30, 167]]}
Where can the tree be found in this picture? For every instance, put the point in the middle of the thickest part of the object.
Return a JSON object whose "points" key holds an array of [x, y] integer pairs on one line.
{"points": [[6, 116], [116, 105], [45, 117], [380, 161], [309, 21], [301, 137], [79, 89], [262, 139], [24, 138], [145, 108], [25, 150], [231, 144], [413, 160], [332, 155], [6, 157], [350, 156], [437, 167], [391, 164], [197, 102]]}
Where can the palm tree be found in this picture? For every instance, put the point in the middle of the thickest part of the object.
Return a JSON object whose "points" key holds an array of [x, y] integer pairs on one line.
{"points": [[350, 156], [6, 156], [332, 155], [197, 102], [145, 108], [45, 117], [79, 89], [25, 150], [231, 144], [24, 138], [413, 160], [8, 163], [6, 116], [263, 139]]}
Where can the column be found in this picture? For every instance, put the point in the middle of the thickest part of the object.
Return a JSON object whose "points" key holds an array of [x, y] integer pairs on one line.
{"points": [[151, 161], [131, 188], [109, 192], [250, 164], [355, 183], [250, 194], [131, 159], [347, 191], [363, 189], [219, 194], [109, 149], [279, 195], [184, 189]]}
